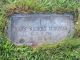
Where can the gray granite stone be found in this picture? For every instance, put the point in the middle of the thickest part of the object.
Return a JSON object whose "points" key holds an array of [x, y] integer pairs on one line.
{"points": [[37, 29]]}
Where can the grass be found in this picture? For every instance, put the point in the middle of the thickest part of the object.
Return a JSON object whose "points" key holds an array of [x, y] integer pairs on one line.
{"points": [[68, 49]]}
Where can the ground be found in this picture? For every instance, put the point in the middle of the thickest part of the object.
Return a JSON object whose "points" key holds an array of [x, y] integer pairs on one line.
{"points": [[69, 49]]}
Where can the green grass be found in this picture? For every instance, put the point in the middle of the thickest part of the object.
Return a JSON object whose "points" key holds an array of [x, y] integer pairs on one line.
{"points": [[68, 49], [44, 5]]}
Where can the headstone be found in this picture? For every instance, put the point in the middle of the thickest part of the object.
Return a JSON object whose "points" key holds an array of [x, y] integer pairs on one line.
{"points": [[37, 29]]}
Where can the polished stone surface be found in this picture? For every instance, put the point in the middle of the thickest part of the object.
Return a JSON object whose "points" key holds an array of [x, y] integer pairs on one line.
{"points": [[37, 29]]}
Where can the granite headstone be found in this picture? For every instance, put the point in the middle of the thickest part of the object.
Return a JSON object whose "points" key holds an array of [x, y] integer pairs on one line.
{"points": [[37, 29]]}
